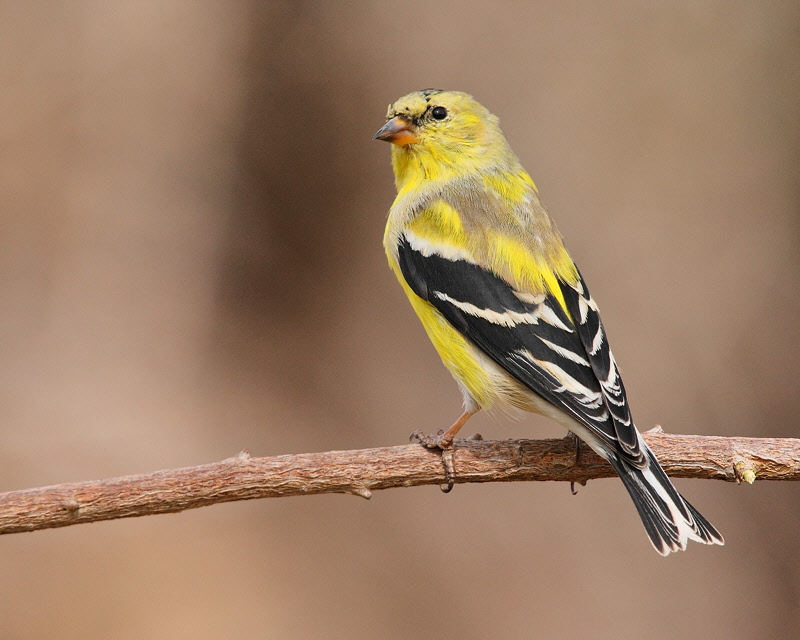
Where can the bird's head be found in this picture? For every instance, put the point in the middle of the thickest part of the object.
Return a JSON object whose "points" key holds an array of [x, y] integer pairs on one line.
{"points": [[434, 131]]}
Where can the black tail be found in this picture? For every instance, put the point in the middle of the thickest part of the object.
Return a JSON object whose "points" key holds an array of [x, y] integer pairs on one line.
{"points": [[669, 519]]}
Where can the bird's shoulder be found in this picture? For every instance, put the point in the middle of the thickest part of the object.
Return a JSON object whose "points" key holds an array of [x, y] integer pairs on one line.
{"points": [[493, 220], [478, 206]]}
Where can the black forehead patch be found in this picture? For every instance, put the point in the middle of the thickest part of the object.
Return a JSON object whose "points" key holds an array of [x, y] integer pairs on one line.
{"points": [[430, 92]]}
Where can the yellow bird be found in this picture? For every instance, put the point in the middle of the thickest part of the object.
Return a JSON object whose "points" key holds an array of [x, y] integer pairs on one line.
{"points": [[486, 271]]}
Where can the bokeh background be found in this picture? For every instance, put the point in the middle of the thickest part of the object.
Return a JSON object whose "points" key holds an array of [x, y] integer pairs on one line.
{"points": [[191, 211]]}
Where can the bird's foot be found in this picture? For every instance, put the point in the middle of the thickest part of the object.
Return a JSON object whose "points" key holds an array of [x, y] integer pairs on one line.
{"points": [[444, 443], [443, 440], [576, 442], [438, 440]]}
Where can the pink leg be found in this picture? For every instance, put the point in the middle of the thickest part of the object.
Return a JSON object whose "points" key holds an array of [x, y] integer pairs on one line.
{"points": [[443, 440]]}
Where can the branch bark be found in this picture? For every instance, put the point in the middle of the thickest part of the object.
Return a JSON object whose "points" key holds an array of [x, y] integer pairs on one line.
{"points": [[359, 472]]}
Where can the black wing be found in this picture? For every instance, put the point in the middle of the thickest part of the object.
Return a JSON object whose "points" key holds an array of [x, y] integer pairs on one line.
{"points": [[563, 358]]}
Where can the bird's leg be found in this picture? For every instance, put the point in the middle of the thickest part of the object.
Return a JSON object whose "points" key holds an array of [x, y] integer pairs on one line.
{"points": [[577, 442], [444, 442]]}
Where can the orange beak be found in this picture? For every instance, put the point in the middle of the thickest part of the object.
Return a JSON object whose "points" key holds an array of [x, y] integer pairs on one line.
{"points": [[399, 130]]}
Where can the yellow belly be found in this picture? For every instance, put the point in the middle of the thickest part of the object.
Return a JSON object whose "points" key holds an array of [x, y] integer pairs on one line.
{"points": [[484, 384]]}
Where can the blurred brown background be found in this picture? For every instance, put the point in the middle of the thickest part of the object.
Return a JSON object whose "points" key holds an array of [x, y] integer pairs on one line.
{"points": [[191, 264]]}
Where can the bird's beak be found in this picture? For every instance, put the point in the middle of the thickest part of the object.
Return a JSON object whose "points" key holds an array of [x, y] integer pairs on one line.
{"points": [[399, 130]]}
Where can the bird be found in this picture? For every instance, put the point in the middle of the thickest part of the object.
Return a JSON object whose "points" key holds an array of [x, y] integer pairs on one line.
{"points": [[506, 308]]}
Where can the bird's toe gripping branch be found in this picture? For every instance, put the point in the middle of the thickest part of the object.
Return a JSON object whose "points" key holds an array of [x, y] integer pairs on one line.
{"points": [[443, 440], [440, 442], [575, 441]]}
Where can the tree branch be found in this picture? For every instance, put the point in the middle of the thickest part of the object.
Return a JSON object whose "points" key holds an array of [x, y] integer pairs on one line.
{"points": [[360, 472]]}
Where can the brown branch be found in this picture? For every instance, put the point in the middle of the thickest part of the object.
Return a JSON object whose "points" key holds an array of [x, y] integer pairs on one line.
{"points": [[362, 471]]}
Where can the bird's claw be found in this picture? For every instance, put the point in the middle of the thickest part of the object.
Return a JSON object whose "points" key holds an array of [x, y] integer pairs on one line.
{"points": [[449, 464], [445, 446], [432, 440], [576, 442]]}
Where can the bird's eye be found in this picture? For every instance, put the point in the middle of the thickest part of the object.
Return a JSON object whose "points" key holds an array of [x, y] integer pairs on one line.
{"points": [[439, 113]]}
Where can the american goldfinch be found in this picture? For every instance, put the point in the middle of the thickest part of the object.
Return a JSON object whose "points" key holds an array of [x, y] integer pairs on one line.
{"points": [[486, 271]]}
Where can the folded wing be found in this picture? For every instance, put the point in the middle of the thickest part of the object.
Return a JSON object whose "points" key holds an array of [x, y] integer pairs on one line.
{"points": [[559, 352]]}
